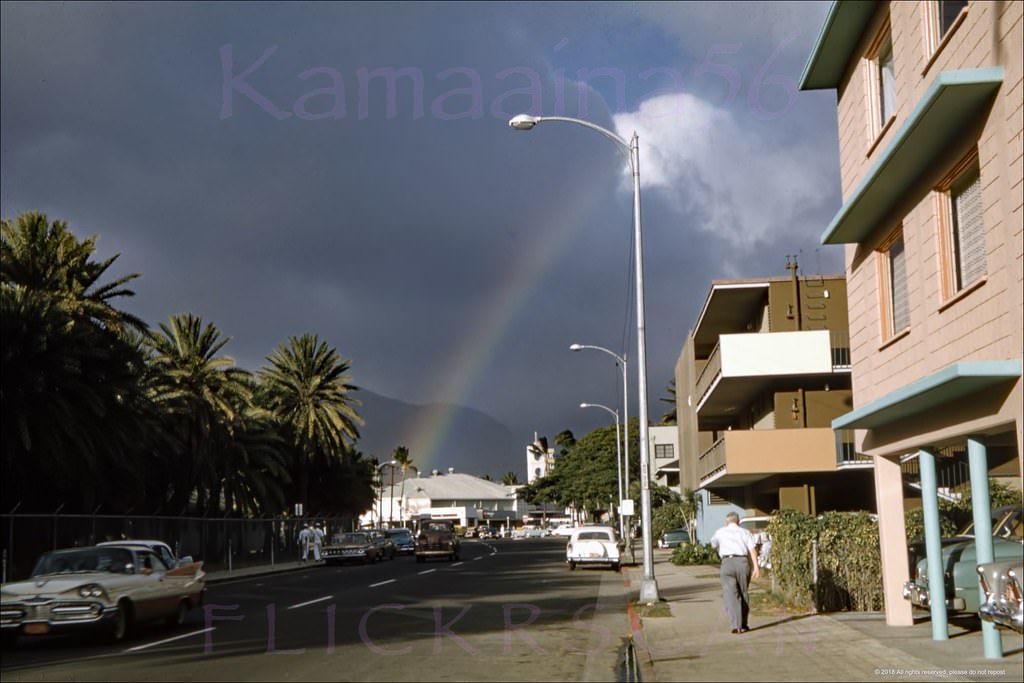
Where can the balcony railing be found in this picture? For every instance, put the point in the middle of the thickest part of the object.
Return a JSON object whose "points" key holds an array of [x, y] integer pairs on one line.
{"points": [[712, 460], [846, 451], [839, 341], [707, 376]]}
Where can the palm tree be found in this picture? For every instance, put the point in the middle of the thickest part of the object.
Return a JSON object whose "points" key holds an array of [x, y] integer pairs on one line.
{"points": [[69, 392], [404, 460], [205, 395], [307, 390], [510, 479], [669, 417]]}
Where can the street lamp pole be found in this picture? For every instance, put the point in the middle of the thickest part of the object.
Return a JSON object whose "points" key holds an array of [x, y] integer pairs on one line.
{"points": [[618, 455], [380, 500], [625, 409], [648, 586]]}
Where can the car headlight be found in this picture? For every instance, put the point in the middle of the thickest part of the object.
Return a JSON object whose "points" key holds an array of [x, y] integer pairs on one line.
{"points": [[91, 590]]}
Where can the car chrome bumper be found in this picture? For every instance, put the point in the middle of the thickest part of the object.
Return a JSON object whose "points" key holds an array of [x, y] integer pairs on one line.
{"points": [[1003, 615], [919, 596]]}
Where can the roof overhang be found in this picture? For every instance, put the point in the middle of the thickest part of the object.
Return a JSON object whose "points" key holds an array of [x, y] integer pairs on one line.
{"points": [[949, 384], [727, 309], [952, 100], [834, 49]]}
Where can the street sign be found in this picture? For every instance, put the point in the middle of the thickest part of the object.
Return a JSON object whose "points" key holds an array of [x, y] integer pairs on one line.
{"points": [[298, 509], [626, 507]]}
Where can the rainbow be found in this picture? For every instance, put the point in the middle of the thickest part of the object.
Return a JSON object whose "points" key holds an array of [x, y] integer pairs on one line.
{"points": [[494, 320]]}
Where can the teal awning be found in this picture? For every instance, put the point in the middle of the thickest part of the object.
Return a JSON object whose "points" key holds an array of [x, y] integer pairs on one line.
{"points": [[951, 383], [834, 49], [952, 100]]}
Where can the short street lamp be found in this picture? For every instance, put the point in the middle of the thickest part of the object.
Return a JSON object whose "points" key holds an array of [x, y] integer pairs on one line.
{"points": [[648, 585], [618, 455]]}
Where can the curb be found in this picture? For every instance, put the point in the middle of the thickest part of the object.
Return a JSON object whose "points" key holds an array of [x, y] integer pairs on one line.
{"points": [[644, 660]]}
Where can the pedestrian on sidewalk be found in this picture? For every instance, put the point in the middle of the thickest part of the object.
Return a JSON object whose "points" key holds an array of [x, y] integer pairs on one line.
{"points": [[318, 540], [305, 541], [736, 547]]}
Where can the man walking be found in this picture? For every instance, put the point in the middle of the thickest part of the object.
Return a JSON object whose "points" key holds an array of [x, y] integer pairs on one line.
{"points": [[738, 551], [318, 540], [305, 540]]}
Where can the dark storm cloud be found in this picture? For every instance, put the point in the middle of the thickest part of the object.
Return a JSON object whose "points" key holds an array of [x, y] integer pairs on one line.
{"points": [[391, 232]]}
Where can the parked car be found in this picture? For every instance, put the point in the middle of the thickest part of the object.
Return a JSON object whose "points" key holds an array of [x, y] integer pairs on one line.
{"points": [[1003, 587], [102, 587], [386, 547], [915, 551], [405, 544], [593, 545], [437, 539], [162, 550], [959, 562], [673, 538], [353, 545], [563, 530]]}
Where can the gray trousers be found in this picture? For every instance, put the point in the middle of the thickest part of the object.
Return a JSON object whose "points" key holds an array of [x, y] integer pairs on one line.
{"points": [[735, 576]]}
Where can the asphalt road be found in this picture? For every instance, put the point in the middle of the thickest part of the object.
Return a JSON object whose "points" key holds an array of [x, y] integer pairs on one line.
{"points": [[510, 610]]}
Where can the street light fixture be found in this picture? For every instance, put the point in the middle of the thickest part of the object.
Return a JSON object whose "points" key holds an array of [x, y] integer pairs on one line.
{"points": [[618, 456], [648, 586], [625, 410]]}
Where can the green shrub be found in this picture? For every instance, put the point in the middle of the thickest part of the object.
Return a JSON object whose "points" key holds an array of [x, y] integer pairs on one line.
{"points": [[849, 561], [694, 553]]}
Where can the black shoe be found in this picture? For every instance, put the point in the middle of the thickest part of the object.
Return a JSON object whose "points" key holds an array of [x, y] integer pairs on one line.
{"points": [[744, 629]]}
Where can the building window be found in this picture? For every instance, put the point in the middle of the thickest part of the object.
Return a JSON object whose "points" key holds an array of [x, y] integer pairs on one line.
{"points": [[961, 227], [942, 17], [892, 285], [664, 451], [880, 79]]}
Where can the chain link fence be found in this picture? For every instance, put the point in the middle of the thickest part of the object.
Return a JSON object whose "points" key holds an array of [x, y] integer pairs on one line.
{"points": [[221, 543]]}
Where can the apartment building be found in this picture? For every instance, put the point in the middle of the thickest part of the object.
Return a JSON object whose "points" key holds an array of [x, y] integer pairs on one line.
{"points": [[665, 451], [762, 374], [929, 99]]}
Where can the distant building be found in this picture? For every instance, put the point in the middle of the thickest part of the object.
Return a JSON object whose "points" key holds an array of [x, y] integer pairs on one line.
{"points": [[463, 498], [540, 459], [665, 451], [762, 374]]}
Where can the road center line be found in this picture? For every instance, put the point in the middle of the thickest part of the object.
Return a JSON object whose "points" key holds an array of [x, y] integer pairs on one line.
{"points": [[478, 557], [381, 583], [312, 602], [169, 640], [454, 565], [427, 571]]}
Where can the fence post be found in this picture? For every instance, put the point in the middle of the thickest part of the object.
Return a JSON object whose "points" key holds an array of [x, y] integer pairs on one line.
{"points": [[814, 572], [273, 542]]}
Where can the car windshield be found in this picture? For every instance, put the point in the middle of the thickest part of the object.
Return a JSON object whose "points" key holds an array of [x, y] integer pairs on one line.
{"points": [[594, 536], [399, 533], [677, 535], [351, 539], [114, 560]]}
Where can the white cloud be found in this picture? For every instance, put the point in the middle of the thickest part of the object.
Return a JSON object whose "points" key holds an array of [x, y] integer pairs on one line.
{"points": [[741, 183]]}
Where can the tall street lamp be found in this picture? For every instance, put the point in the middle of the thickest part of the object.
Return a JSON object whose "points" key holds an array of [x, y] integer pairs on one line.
{"points": [[380, 500], [618, 454], [625, 409], [648, 586]]}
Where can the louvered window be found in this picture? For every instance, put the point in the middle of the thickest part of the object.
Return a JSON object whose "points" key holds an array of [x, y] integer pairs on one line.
{"points": [[968, 229], [900, 302], [886, 82]]}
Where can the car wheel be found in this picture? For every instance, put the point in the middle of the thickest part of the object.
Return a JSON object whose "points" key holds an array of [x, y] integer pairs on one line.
{"points": [[616, 566], [121, 625], [178, 618], [572, 566]]}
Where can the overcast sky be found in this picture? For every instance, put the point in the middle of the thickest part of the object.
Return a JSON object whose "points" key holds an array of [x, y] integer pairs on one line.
{"points": [[247, 161]]}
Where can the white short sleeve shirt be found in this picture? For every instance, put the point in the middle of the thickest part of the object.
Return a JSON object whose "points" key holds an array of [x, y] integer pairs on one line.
{"points": [[733, 539]]}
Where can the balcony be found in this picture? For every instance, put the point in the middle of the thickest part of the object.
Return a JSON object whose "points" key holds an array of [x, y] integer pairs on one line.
{"points": [[742, 457], [743, 365]]}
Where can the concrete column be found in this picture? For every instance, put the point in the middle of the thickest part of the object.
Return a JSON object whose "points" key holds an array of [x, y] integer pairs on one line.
{"points": [[981, 505], [933, 545], [892, 536]]}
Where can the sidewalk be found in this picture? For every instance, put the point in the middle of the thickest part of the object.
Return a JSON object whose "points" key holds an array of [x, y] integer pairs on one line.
{"points": [[694, 643], [222, 575]]}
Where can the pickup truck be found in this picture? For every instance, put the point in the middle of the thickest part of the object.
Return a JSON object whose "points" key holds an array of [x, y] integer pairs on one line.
{"points": [[437, 539]]}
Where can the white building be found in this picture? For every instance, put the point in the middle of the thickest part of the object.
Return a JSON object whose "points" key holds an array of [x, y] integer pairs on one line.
{"points": [[665, 448], [463, 498], [540, 459]]}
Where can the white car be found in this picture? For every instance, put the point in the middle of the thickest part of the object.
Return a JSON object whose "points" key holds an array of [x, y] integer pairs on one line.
{"points": [[564, 530], [162, 550], [593, 545]]}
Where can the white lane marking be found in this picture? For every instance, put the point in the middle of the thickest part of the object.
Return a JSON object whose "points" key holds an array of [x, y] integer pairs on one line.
{"points": [[427, 571], [381, 583], [312, 602], [169, 640], [458, 563], [478, 557]]}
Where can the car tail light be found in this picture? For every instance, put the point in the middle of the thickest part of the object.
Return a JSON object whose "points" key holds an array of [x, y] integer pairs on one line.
{"points": [[983, 578]]}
